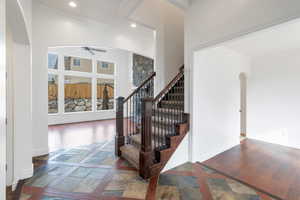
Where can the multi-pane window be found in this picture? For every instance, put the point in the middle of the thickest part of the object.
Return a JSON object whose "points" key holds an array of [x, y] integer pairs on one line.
{"points": [[78, 94], [79, 84], [105, 68], [52, 93], [78, 64], [52, 61], [105, 94]]}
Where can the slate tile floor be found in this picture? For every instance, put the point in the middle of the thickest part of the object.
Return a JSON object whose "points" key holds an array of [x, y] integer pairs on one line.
{"points": [[93, 172]]}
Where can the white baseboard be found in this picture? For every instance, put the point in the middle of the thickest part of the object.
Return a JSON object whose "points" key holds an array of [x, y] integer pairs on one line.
{"points": [[40, 152], [24, 174]]}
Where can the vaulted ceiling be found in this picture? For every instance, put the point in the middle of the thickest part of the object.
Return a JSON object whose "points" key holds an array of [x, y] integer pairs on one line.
{"points": [[100, 10]]}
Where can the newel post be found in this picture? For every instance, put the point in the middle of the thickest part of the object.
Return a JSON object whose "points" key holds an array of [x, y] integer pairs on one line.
{"points": [[120, 139], [146, 159]]}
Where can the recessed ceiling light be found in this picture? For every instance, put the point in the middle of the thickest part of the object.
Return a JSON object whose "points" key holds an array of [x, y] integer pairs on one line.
{"points": [[72, 4], [133, 25]]}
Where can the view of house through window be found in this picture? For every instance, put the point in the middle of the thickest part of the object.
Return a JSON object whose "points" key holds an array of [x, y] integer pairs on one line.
{"points": [[105, 67], [86, 85], [78, 64]]}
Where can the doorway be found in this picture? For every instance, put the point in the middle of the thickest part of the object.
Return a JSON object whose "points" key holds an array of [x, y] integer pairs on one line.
{"points": [[243, 104]]}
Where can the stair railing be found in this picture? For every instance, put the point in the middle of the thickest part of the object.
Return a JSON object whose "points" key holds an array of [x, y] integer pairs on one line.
{"points": [[158, 121], [129, 112]]}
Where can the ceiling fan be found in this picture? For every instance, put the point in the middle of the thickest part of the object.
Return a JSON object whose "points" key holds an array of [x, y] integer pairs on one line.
{"points": [[91, 50]]}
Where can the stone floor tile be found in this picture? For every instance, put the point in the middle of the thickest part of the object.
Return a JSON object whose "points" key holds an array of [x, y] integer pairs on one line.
{"points": [[136, 190], [98, 173], [81, 172], [42, 181], [98, 158], [240, 188], [220, 190], [68, 184], [208, 170], [190, 193], [185, 167], [25, 196], [88, 185], [167, 179], [60, 170], [178, 180], [54, 198], [63, 157], [116, 193], [167, 193], [121, 179], [187, 181]]}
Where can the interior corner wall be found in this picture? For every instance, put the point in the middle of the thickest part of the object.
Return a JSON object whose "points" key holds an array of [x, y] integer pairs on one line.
{"points": [[208, 22], [273, 98], [216, 117], [53, 28]]}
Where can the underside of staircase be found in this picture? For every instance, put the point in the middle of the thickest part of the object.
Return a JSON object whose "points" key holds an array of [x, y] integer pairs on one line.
{"points": [[149, 129]]}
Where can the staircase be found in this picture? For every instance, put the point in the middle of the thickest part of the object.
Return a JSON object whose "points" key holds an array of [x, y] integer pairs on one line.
{"points": [[149, 129]]}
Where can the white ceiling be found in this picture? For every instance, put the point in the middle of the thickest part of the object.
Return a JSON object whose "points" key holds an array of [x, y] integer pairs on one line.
{"points": [[278, 38], [105, 11]]}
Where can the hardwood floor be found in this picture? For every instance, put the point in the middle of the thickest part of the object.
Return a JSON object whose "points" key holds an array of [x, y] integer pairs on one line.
{"points": [[77, 134], [269, 168]]}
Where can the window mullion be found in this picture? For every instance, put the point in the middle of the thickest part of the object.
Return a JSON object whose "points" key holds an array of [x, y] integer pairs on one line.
{"points": [[61, 86]]}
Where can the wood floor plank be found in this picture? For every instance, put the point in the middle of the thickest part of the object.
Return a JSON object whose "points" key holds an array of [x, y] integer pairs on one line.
{"points": [[271, 168]]}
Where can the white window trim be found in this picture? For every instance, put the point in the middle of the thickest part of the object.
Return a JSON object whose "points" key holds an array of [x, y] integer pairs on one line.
{"points": [[61, 73]]}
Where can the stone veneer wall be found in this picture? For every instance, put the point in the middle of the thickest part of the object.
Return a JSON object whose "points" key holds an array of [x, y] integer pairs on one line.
{"points": [[142, 68]]}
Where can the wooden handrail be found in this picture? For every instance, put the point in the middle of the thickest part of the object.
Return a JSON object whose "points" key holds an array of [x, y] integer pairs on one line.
{"points": [[181, 72], [137, 89]]}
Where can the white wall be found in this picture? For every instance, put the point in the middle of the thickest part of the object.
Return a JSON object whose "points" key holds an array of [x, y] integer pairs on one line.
{"points": [[121, 59], [208, 22], [51, 28], [273, 98], [19, 135], [168, 21], [216, 117], [22, 112], [9, 106], [3, 100]]}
